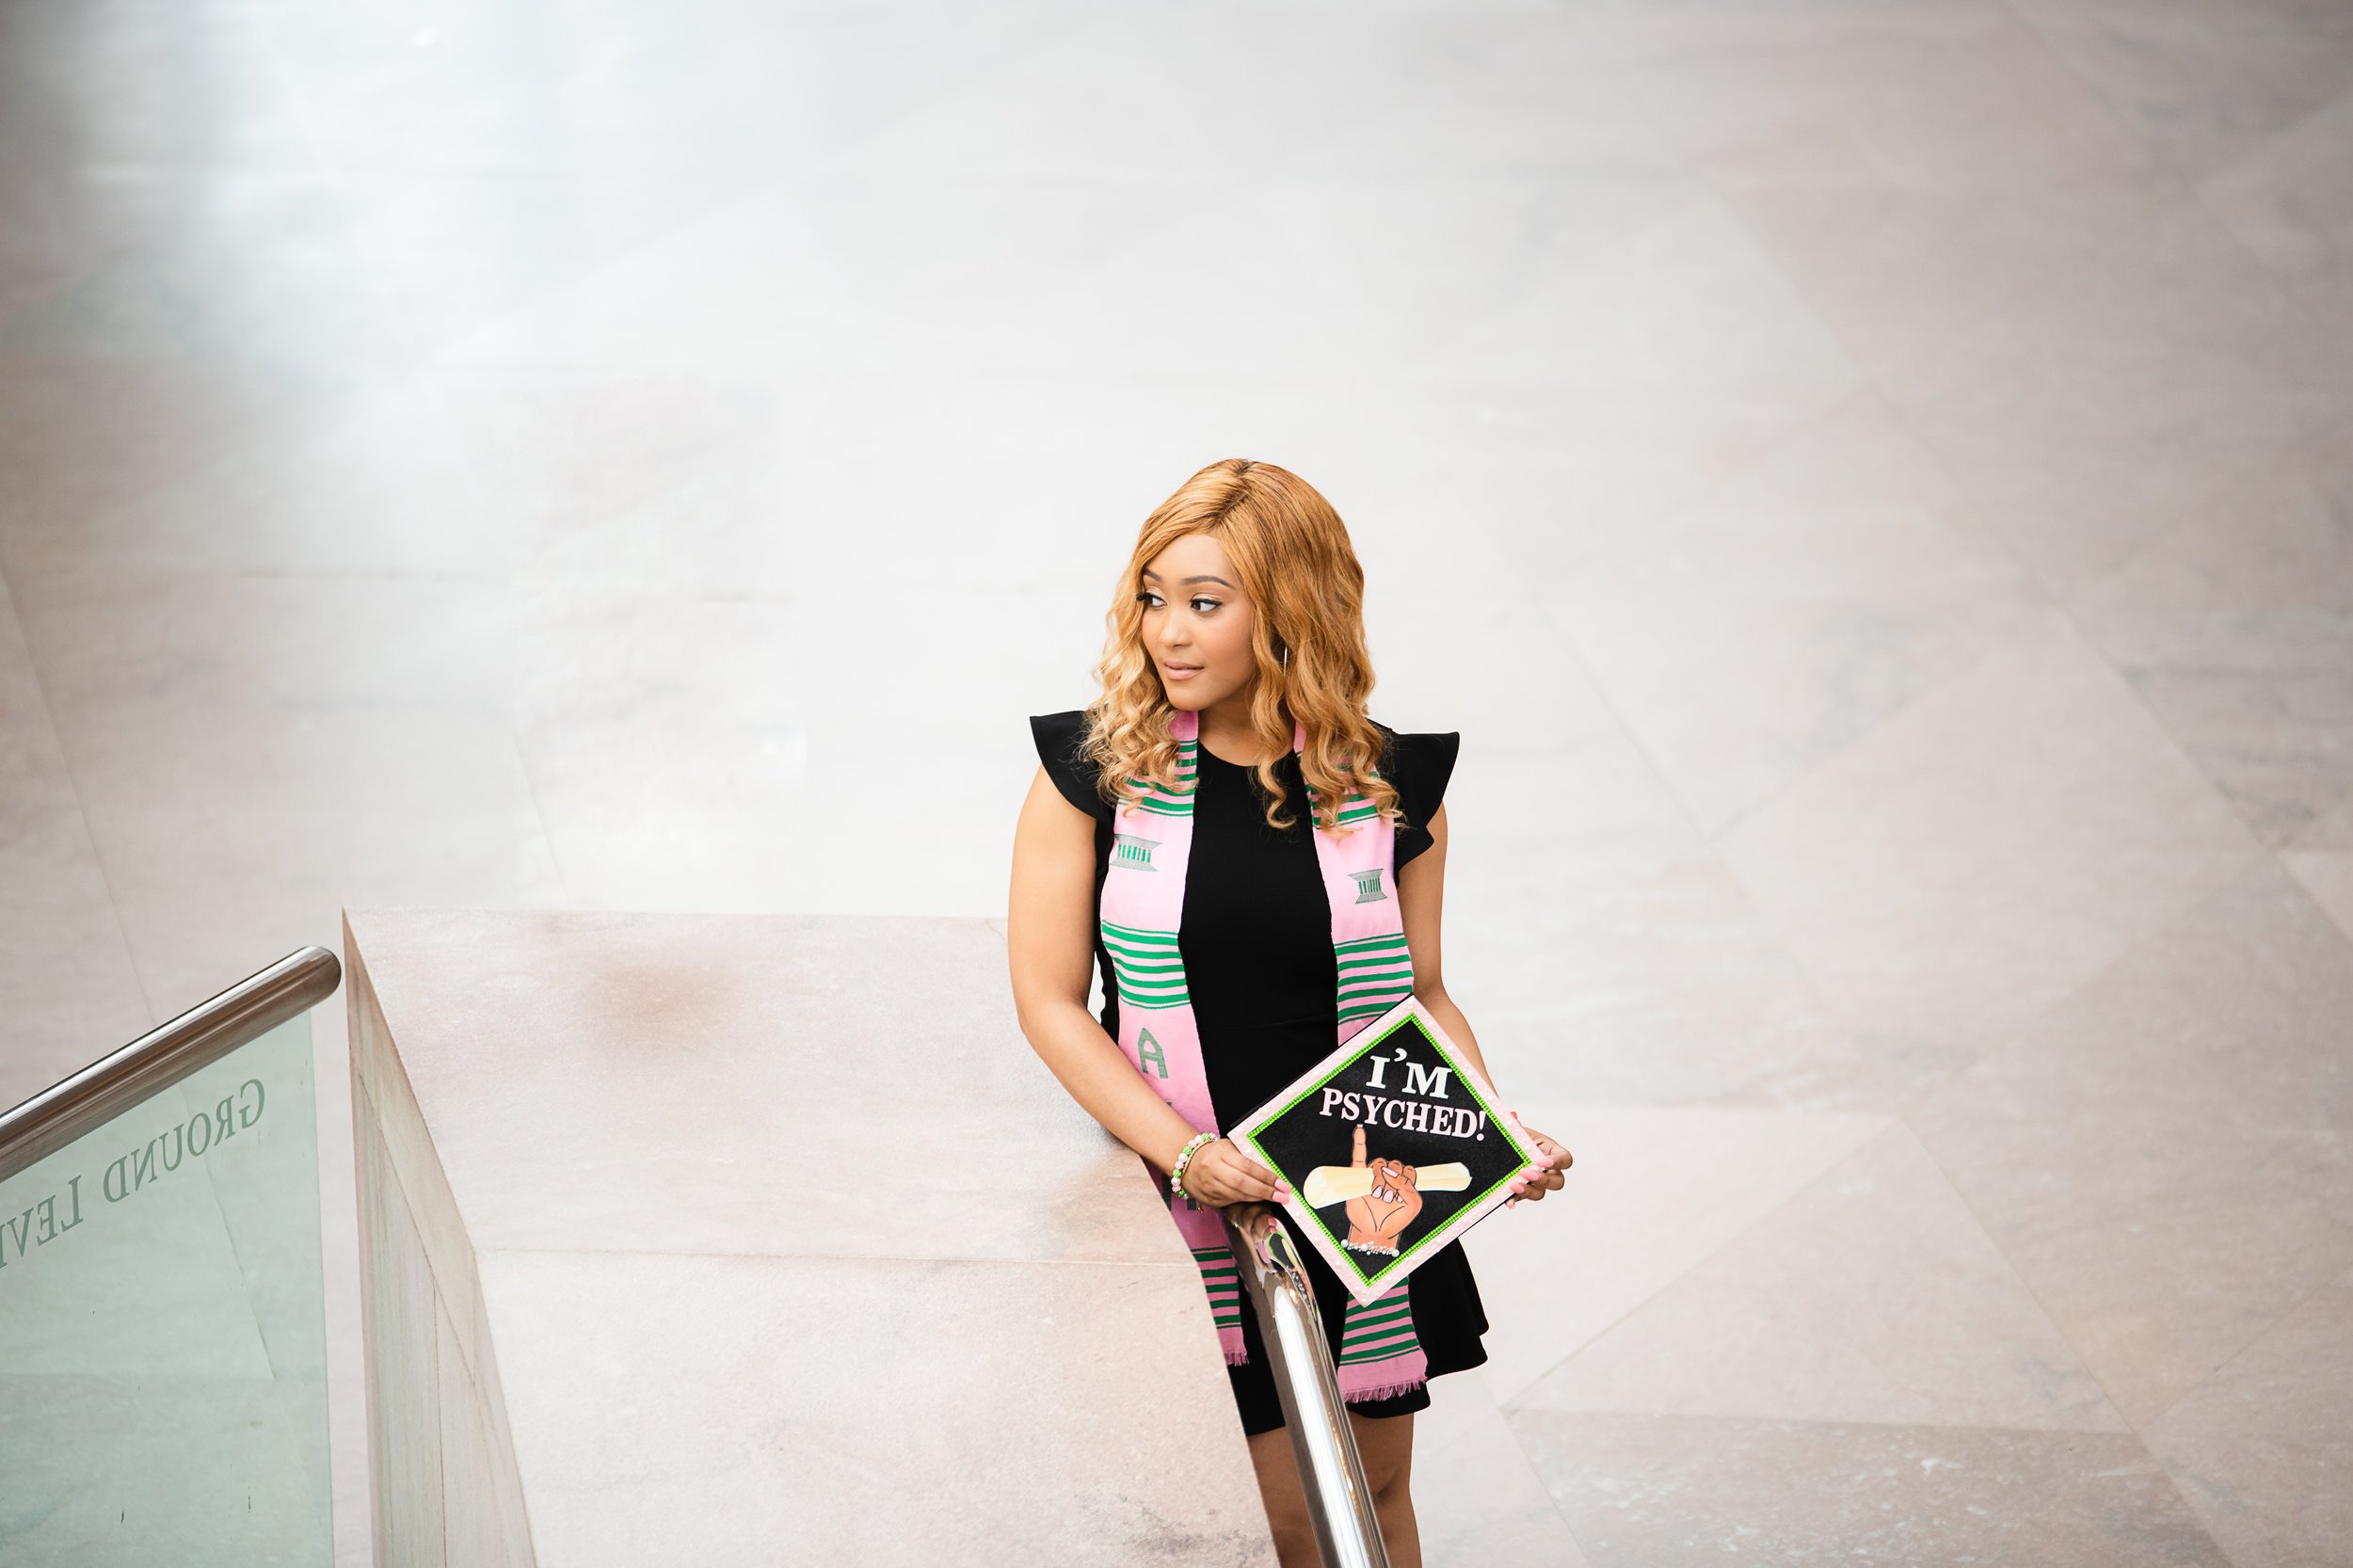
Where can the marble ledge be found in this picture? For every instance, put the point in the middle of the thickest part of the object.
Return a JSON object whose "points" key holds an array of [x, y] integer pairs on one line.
{"points": [[649, 1276]]}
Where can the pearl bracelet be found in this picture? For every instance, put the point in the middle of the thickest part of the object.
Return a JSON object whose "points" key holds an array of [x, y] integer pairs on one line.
{"points": [[1177, 1172]]}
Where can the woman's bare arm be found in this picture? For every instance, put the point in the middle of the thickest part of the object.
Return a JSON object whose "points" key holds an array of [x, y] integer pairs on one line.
{"points": [[1049, 942]]}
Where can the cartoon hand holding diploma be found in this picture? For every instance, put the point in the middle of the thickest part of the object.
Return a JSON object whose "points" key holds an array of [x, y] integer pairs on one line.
{"points": [[1383, 1195]]}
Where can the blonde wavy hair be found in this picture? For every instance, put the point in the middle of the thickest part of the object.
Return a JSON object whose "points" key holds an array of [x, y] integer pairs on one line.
{"points": [[1308, 592]]}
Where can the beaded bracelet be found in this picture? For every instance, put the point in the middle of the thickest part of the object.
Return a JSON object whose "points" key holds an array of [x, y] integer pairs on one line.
{"points": [[1177, 1172]]}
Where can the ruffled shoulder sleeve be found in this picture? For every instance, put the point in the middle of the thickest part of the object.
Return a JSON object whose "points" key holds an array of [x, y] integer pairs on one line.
{"points": [[1057, 736], [1419, 764]]}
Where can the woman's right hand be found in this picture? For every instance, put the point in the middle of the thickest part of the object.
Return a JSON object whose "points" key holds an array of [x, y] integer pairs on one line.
{"points": [[1220, 1174]]}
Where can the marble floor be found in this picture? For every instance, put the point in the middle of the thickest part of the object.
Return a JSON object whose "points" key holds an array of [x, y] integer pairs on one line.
{"points": [[1879, 471]]}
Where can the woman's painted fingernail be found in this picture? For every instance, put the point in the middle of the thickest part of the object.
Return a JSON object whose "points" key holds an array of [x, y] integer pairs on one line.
{"points": [[1545, 1161]]}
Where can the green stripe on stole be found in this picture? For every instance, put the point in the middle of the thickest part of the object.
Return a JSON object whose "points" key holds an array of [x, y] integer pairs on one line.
{"points": [[1158, 798], [1145, 964]]}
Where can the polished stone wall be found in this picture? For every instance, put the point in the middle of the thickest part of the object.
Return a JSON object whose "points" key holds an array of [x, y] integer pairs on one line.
{"points": [[445, 1492]]}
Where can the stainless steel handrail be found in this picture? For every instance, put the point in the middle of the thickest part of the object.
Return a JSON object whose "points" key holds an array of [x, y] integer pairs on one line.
{"points": [[163, 1056], [1339, 1503]]}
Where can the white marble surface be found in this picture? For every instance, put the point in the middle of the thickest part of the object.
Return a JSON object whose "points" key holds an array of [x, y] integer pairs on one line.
{"points": [[733, 1239], [1875, 471]]}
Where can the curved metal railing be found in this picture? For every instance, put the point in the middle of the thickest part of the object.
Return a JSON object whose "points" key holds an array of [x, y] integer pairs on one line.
{"points": [[1339, 1503], [163, 1056]]}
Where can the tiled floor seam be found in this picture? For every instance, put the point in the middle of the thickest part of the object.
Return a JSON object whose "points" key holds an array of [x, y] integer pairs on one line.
{"points": [[1966, 667], [2334, 1282], [2137, 1429], [2018, 1275], [539, 810], [1668, 1282], [1683, 808], [1552, 1500], [2093, 94], [2065, 607], [1920, 1100], [1803, 976], [2051, 1432], [81, 810]]}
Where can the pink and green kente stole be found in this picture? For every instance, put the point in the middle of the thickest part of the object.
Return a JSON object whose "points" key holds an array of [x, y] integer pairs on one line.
{"points": [[1144, 901]]}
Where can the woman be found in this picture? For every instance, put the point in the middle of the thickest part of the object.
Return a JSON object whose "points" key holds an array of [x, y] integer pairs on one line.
{"points": [[1182, 838]]}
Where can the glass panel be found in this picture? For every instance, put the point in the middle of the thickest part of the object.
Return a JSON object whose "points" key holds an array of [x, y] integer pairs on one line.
{"points": [[163, 1343]]}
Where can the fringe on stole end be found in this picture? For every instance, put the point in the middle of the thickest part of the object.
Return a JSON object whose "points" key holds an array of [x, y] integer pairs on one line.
{"points": [[1241, 1357]]}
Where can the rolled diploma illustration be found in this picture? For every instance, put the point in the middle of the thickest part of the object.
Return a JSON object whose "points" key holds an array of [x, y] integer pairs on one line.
{"points": [[1328, 1184]]}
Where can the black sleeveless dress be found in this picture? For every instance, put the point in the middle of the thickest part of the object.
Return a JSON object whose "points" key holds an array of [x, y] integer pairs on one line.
{"points": [[1257, 942]]}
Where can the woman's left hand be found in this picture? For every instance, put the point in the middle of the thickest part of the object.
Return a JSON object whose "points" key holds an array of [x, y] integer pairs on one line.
{"points": [[1552, 1163]]}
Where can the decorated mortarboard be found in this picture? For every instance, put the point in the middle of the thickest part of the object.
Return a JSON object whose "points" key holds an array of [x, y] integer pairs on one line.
{"points": [[1393, 1146]]}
